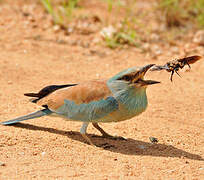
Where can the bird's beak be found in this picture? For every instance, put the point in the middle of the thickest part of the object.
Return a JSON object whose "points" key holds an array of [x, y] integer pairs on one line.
{"points": [[147, 82], [144, 69], [141, 74]]}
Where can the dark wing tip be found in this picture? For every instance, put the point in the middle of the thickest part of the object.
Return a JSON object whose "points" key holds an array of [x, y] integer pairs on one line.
{"points": [[46, 91], [31, 94]]}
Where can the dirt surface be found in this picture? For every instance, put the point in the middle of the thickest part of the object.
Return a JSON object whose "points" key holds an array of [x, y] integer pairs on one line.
{"points": [[32, 55]]}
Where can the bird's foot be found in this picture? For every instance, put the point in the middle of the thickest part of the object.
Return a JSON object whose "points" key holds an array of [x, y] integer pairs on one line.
{"points": [[87, 139]]}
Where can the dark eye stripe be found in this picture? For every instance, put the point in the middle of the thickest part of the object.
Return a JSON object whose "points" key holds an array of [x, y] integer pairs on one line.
{"points": [[126, 78]]}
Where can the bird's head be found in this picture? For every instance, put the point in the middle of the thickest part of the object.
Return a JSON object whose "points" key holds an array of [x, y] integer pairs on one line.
{"points": [[134, 77]]}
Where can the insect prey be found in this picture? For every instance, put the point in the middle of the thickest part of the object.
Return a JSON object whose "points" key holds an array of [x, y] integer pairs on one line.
{"points": [[174, 65]]}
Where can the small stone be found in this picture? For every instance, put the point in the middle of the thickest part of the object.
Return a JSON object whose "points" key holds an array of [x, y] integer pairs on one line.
{"points": [[43, 153], [199, 37], [153, 140], [56, 28], [31, 19], [35, 153], [2, 164], [26, 14], [96, 18], [70, 30], [107, 32], [146, 47]]}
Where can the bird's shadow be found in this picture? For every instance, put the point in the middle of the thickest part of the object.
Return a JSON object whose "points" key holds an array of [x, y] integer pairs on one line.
{"points": [[128, 146]]}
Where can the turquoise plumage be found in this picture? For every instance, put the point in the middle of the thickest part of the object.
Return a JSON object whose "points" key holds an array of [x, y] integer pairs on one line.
{"points": [[91, 112], [120, 98]]}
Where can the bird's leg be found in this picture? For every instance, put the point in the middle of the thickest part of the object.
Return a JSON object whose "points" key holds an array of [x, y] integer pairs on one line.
{"points": [[105, 134], [83, 133]]}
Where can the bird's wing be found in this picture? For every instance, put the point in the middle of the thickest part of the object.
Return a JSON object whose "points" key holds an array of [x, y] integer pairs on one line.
{"points": [[86, 101], [46, 91]]}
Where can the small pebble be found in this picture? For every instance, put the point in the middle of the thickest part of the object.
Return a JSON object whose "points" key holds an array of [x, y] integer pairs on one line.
{"points": [[146, 46], [2, 164], [153, 140], [107, 32], [70, 30], [56, 28]]}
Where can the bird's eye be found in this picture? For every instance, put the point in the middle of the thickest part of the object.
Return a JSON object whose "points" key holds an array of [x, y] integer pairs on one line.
{"points": [[126, 78]]}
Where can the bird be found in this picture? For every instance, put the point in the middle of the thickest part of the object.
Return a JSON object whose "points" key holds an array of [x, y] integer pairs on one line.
{"points": [[119, 98]]}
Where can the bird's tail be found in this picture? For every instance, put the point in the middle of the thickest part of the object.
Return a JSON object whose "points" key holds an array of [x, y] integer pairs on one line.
{"points": [[33, 115]]}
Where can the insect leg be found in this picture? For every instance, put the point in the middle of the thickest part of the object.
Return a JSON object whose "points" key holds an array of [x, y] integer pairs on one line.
{"points": [[188, 64], [178, 73], [172, 73]]}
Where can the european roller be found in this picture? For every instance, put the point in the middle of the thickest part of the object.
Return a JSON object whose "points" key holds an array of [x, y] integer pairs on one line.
{"points": [[97, 101]]}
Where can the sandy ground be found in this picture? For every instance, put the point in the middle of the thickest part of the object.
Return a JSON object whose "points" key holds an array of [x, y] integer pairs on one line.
{"points": [[52, 148]]}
